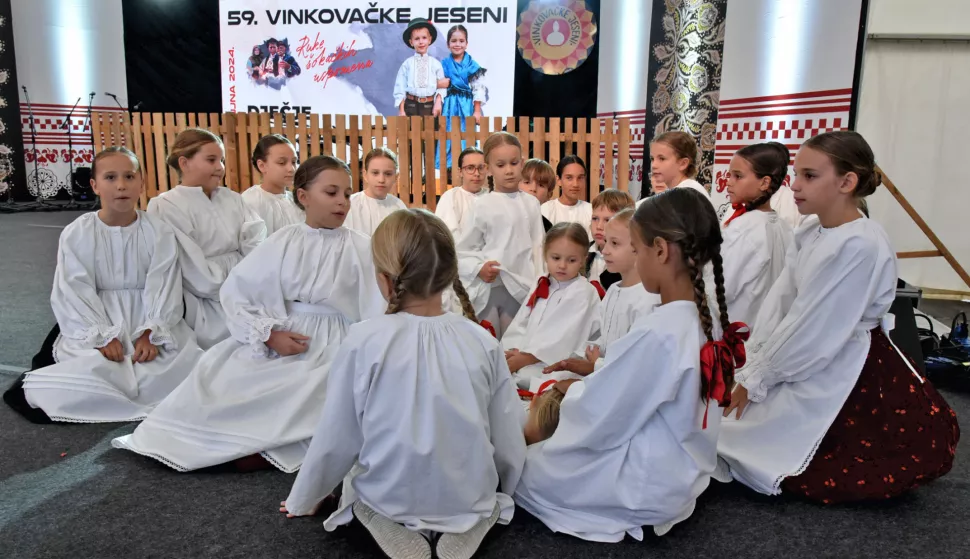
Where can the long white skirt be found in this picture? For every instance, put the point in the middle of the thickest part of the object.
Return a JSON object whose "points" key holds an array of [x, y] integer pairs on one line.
{"points": [[237, 403], [207, 320], [84, 387]]}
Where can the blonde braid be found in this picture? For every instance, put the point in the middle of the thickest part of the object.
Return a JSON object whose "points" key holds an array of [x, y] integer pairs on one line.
{"points": [[466, 305], [397, 297]]}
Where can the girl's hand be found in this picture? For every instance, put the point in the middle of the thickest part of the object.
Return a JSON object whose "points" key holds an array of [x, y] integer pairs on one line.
{"points": [[287, 343], [478, 114], [519, 360], [739, 401], [400, 110], [145, 351], [581, 367], [592, 353], [114, 351], [443, 83], [436, 110], [489, 271]]}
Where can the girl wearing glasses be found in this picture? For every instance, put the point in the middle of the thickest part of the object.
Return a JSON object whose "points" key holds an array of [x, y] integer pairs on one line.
{"points": [[454, 203]]}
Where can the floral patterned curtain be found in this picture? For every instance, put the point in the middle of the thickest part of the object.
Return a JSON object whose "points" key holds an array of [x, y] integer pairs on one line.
{"points": [[12, 177], [685, 69]]}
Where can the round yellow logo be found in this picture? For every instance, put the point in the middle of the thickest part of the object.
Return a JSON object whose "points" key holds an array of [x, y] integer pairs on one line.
{"points": [[556, 38]]}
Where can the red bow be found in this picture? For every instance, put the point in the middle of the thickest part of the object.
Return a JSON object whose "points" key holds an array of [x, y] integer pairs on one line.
{"points": [[541, 292], [739, 210], [599, 288], [488, 326], [542, 388], [718, 361]]}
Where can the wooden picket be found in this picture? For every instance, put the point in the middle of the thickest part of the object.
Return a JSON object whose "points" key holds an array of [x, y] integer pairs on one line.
{"points": [[416, 140]]}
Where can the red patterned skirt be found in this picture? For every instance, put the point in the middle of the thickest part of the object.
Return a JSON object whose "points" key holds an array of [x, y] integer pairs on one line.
{"points": [[892, 435]]}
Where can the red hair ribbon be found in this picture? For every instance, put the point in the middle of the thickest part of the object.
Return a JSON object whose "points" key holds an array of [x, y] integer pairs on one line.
{"points": [[718, 361], [542, 388], [541, 292], [739, 210], [599, 288], [488, 326]]}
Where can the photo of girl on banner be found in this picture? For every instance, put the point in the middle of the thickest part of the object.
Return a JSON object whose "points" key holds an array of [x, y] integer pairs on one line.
{"points": [[465, 81], [273, 68]]}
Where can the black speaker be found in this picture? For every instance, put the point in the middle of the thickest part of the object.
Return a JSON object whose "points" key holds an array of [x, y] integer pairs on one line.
{"points": [[905, 335], [81, 185]]}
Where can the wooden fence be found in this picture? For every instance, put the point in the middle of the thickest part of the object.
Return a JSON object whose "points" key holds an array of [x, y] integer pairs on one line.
{"points": [[603, 143]]}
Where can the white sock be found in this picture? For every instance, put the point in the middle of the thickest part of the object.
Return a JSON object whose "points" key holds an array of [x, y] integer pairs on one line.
{"points": [[394, 539], [463, 546]]}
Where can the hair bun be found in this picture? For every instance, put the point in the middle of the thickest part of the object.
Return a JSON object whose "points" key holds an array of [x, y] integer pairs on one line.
{"points": [[876, 178]]}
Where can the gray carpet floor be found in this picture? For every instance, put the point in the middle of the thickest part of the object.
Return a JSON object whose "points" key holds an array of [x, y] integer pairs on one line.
{"points": [[65, 493]]}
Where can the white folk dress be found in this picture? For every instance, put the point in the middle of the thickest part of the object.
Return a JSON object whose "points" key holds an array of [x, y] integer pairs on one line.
{"points": [[242, 397], [621, 308], [276, 210], [753, 253], [809, 347], [630, 450], [783, 203], [556, 327], [687, 183], [581, 213], [114, 282], [423, 424], [213, 234], [506, 228], [453, 207], [367, 213]]}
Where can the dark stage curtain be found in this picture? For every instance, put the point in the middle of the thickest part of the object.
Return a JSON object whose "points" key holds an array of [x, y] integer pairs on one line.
{"points": [[14, 177], [172, 55]]}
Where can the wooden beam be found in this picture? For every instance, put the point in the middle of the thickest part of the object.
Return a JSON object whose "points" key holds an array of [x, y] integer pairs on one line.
{"points": [[919, 254], [909, 209]]}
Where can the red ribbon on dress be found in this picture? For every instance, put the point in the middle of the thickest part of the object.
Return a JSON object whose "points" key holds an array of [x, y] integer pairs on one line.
{"points": [[718, 362], [541, 292], [739, 210], [599, 288], [488, 326]]}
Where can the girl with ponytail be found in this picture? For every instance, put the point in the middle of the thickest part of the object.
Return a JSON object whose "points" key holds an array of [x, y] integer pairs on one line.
{"points": [[755, 237], [639, 436], [827, 408], [424, 399]]}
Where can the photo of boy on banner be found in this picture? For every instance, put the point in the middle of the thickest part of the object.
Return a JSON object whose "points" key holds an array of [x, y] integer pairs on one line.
{"points": [[420, 87], [271, 64]]}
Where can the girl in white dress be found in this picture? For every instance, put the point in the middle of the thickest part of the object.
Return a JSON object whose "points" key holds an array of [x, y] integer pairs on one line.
{"points": [[421, 422], [635, 444], [827, 407], [214, 228], [275, 159], [570, 206], [369, 207], [454, 203], [673, 161], [500, 248], [289, 304], [560, 315], [625, 303], [755, 237], [117, 296]]}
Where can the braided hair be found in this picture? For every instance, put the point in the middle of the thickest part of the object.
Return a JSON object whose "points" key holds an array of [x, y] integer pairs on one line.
{"points": [[682, 216], [415, 250]]}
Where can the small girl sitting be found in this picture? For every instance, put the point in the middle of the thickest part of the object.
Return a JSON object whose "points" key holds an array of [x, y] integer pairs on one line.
{"points": [[625, 302], [123, 345], [561, 314], [369, 207], [421, 422], [275, 159]]}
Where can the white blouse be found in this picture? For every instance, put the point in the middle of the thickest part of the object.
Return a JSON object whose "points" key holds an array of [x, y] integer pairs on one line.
{"points": [[426, 409], [276, 210], [506, 228], [809, 347], [581, 213], [753, 253], [621, 308], [630, 449], [367, 213], [453, 207]]}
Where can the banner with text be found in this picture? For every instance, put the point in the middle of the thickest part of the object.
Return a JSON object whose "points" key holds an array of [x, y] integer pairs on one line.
{"points": [[350, 57]]}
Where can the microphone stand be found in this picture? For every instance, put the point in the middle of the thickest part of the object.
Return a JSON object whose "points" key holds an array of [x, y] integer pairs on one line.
{"points": [[40, 202], [87, 123], [69, 126]]}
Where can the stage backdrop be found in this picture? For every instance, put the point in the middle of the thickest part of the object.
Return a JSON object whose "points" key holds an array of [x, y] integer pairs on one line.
{"points": [[788, 73], [346, 53]]}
